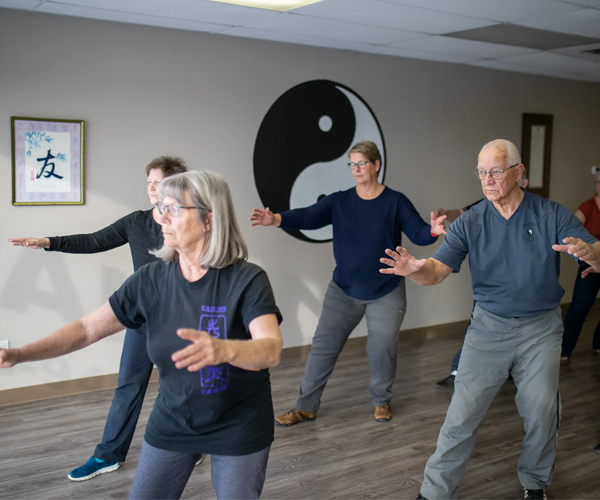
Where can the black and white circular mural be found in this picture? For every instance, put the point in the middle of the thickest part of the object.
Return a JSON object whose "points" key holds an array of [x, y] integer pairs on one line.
{"points": [[301, 150]]}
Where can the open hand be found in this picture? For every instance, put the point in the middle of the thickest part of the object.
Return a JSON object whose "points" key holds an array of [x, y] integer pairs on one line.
{"points": [[34, 243], [262, 217], [578, 248], [401, 263], [204, 350], [438, 226]]}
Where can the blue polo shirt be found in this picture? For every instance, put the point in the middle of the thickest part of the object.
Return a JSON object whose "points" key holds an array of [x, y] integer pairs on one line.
{"points": [[514, 270]]}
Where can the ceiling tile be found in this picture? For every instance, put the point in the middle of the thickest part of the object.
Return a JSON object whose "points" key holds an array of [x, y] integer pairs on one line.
{"points": [[589, 3], [469, 48], [549, 61], [581, 52], [188, 10], [419, 54], [391, 15], [495, 10], [244, 32], [584, 22], [336, 30], [19, 4], [505, 66], [523, 36], [110, 15]]}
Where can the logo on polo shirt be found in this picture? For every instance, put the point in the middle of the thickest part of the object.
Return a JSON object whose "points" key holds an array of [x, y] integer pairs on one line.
{"points": [[301, 149], [530, 232]]}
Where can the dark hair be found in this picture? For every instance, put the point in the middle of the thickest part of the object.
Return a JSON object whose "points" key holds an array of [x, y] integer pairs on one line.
{"points": [[170, 165], [368, 149]]}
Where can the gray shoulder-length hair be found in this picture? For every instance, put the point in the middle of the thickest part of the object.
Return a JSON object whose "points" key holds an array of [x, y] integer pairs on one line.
{"points": [[225, 243]]}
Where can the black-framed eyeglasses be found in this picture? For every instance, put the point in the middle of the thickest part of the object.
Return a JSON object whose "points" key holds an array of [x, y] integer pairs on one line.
{"points": [[360, 164], [496, 174], [174, 209]]}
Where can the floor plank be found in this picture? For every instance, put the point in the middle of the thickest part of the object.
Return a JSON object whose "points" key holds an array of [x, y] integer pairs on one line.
{"points": [[344, 453]]}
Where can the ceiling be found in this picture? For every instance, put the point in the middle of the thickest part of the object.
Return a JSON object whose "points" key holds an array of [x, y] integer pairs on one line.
{"points": [[544, 37]]}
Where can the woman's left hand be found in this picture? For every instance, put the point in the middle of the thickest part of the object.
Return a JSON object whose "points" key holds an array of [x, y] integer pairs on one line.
{"points": [[438, 226], [205, 350]]}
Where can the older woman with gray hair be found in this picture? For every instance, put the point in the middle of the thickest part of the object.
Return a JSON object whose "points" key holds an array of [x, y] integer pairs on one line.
{"points": [[212, 331]]}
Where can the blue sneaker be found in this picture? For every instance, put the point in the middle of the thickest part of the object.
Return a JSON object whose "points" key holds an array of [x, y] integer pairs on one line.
{"points": [[92, 468], [199, 461]]}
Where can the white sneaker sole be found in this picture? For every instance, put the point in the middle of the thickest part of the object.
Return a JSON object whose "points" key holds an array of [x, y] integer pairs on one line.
{"points": [[97, 473]]}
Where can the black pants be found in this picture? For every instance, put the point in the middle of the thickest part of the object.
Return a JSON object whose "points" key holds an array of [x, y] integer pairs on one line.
{"points": [[584, 296], [134, 372]]}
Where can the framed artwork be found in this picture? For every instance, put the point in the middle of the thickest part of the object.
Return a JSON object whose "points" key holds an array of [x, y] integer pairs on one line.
{"points": [[47, 161], [537, 149]]}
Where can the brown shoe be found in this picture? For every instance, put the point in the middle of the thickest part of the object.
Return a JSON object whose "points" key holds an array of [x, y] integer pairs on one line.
{"points": [[383, 413], [294, 417]]}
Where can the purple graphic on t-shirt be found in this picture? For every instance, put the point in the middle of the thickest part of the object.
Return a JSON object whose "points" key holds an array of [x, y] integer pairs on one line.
{"points": [[214, 379]]}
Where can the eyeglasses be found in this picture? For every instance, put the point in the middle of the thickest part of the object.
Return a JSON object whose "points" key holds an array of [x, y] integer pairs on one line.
{"points": [[361, 164], [174, 209], [496, 174]]}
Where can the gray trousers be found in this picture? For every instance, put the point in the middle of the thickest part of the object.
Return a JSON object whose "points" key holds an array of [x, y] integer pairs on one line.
{"points": [[163, 474], [529, 348], [340, 316]]}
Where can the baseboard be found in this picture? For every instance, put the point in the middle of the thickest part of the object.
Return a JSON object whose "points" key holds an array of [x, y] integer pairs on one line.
{"points": [[106, 382], [61, 389]]}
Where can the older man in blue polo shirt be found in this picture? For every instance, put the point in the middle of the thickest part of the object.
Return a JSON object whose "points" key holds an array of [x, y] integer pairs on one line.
{"points": [[513, 239]]}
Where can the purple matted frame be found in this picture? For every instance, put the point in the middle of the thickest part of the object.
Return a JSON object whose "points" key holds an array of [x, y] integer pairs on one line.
{"points": [[47, 161]]}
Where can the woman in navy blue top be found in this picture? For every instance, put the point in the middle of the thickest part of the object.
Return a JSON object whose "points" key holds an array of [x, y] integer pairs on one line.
{"points": [[365, 219]]}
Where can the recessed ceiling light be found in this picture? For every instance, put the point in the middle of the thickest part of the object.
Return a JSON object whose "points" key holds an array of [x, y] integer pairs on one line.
{"points": [[280, 5]]}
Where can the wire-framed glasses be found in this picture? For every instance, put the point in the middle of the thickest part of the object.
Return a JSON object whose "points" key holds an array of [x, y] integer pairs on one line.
{"points": [[174, 209], [496, 174]]}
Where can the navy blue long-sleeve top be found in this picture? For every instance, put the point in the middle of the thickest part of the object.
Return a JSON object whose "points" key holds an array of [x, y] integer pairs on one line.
{"points": [[362, 230]]}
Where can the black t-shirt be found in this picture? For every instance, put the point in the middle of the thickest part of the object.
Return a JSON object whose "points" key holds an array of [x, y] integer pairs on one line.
{"points": [[221, 410]]}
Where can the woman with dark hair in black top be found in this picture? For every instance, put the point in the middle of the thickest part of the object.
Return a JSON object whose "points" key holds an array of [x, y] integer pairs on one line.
{"points": [[140, 230]]}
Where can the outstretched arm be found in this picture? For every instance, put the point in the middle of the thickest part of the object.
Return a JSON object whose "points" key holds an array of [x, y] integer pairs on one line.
{"points": [[72, 337], [587, 252], [422, 272], [263, 351]]}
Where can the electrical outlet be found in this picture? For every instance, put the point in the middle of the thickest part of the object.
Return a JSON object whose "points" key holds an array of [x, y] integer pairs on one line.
{"points": [[595, 169], [5, 344]]}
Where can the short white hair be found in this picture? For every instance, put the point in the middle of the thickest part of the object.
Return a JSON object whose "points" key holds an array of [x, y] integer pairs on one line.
{"points": [[512, 152], [225, 243]]}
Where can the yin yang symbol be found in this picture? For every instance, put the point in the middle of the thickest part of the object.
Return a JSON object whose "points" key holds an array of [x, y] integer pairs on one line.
{"points": [[301, 149]]}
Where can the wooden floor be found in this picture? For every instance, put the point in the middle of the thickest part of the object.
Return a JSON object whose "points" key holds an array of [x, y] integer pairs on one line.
{"points": [[344, 453]]}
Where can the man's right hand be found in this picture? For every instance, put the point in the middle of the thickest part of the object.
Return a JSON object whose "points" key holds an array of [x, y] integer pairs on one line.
{"points": [[34, 243], [401, 263]]}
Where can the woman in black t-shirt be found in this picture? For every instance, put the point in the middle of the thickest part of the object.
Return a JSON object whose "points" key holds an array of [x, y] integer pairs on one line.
{"points": [[212, 331]]}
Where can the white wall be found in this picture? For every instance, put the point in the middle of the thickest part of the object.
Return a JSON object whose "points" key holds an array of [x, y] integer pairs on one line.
{"points": [[146, 91]]}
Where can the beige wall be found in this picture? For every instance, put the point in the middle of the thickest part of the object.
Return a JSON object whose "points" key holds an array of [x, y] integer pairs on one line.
{"points": [[146, 91]]}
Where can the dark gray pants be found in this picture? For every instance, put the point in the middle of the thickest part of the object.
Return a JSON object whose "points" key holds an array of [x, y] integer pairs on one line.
{"points": [[340, 316], [529, 348], [163, 474]]}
